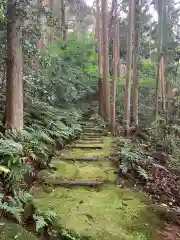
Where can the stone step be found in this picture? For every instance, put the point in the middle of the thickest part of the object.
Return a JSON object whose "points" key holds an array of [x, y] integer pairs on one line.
{"points": [[91, 130], [85, 123], [91, 138], [90, 142], [92, 135], [83, 159], [78, 183], [91, 127], [86, 147]]}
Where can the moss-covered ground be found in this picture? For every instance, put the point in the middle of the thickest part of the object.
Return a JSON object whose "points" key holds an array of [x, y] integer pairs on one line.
{"points": [[100, 170], [78, 152], [106, 213], [10, 231]]}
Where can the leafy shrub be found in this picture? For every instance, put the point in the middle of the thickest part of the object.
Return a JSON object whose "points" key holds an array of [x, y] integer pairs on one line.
{"points": [[131, 158], [147, 69]]}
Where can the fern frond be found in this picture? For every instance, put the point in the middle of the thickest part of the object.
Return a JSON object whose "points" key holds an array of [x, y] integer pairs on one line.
{"points": [[142, 172], [8, 147], [40, 222], [14, 210]]}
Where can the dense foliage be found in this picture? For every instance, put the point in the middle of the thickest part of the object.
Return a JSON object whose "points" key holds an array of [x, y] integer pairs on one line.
{"points": [[61, 81]]}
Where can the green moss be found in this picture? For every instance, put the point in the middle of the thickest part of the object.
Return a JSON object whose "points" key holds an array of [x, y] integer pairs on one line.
{"points": [[90, 142], [107, 141], [89, 145], [12, 231], [111, 213], [100, 170], [101, 214]]}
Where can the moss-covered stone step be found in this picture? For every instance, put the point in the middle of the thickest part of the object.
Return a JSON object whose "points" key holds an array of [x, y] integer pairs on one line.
{"points": [[83, 159], [98, 141], [99, 170], [76, 183], [89, 124], [91, 138], [92, 134], [77, 152], [83, 146], [89, 130], [109, 213]]}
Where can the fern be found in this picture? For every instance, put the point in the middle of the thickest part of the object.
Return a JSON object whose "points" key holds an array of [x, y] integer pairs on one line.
{"points": [[142, 173], [71, 235], [22, 196], [132, 157], [8, 147], [14, 210], [40, 222], [15, 178], [44, 219], [14, 205]]}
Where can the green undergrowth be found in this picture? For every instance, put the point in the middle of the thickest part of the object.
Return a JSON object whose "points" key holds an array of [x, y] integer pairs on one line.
{"points": [[107, 213], [9, 231]]}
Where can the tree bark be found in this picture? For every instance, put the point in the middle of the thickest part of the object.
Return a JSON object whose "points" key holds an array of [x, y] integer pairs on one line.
{"points": [[39, 41], [159, 77], [163, 85], [106, 88], [115, 70], [112, 21], [127, 93], [63, 20], [51, 28], [136, 66], [157, 89], [14, 84], [100, 67]]}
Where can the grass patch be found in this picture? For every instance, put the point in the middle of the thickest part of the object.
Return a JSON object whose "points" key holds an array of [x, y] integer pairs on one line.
{"points": [[112, 213]]}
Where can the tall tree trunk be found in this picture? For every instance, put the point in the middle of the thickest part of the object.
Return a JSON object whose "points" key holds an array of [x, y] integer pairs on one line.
{"points": [[161, 43], [119, 60], [115, 70], [51, 28], [39, 41], [100, 68], [106, 88], [169, 93], [136, 65], [112, 21], [127, 93], [14, 84], [159, 77], [157, 89], [63, 20], [163, 85]]}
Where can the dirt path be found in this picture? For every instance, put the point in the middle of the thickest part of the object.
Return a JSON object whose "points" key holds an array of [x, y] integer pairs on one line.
{"points": [[84, 194]]}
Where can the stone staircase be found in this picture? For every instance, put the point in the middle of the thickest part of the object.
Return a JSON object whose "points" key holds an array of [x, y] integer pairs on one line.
{"points": [[91, 152], [82, 191]]}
